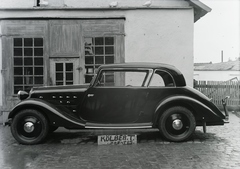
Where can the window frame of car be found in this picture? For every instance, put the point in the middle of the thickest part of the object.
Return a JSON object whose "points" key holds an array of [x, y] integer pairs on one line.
{"points": [[145, 81], [165, 86]]}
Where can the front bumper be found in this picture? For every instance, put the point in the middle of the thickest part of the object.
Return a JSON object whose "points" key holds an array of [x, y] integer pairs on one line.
{"points": [[8, 122]]}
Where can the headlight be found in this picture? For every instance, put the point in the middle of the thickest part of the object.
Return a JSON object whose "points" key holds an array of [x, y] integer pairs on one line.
{"points": [[22, 95]]}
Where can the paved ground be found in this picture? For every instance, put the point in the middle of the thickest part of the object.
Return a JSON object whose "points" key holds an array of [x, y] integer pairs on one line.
{"points": [[219, 148]]}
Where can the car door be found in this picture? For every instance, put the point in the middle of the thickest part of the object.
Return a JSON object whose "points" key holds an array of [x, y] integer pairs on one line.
{"points": [[115, 98]]}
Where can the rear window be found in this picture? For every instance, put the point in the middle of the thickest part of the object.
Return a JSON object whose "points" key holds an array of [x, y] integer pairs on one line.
{"points": [[161, 79]]}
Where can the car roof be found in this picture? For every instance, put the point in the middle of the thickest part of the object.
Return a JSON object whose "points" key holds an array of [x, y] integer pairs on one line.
{"points": [[147, 65], [177, 75]]}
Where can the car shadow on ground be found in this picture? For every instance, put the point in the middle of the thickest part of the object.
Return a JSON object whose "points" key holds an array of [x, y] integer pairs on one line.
{"points": [[143, 136]]}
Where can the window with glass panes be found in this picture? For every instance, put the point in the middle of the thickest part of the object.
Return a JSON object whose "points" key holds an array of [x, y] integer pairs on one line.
{"points": [[27, 63], [98, 51], [64, 73]]}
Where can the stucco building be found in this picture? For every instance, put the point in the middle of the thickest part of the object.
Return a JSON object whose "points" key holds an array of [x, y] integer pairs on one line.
{"points": [[62, 42]]}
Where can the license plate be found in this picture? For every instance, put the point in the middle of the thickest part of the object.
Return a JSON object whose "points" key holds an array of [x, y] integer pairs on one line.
{"points": [[117, 139]]}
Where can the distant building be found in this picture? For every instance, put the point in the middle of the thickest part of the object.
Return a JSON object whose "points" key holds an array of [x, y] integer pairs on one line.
{"points": [[223, 71], [63, 42]]}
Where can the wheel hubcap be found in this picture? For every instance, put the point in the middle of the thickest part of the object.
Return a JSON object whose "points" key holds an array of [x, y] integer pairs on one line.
{"points": [[177, 124], [28, 127]]}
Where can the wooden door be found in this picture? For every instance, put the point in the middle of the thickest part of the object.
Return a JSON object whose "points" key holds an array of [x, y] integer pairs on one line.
{"points": [[66, 54], [64, 71]]}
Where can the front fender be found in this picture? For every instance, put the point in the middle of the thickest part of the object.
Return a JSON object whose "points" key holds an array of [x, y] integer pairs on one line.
{"points": [[56, 116], [209, 112]]}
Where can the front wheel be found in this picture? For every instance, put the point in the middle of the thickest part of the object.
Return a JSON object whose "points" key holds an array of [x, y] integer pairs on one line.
{"points": [[177, 124], [29, 126]]}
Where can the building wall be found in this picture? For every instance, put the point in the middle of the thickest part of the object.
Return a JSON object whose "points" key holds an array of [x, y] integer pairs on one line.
{"points": [[1, 92], [216, 75], [151, 34], [123, 3], [160, 39], [17, 3], [167, 37], [90, 3]]}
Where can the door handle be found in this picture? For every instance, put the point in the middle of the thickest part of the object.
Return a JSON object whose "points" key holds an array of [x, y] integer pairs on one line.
{"points": [[90, 95], [142, 113]]}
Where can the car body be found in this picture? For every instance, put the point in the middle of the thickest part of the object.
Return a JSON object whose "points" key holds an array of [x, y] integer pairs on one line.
{"points": [[120, 96]]}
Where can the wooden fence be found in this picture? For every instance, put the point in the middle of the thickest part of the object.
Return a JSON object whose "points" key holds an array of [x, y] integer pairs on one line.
{"points": [[217, 90]]}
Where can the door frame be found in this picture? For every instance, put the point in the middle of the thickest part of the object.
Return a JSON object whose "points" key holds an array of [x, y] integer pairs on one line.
{"points": [[76, 69]]}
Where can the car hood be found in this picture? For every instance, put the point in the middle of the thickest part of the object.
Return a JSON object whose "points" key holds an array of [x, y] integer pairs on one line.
{"points": [[52, 89]]}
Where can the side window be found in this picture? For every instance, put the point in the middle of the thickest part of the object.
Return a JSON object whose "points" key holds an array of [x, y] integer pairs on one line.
{"points": [[122, 78], [161, 79], [98, 51], [28, 63], [157, 81], [64, 73]]}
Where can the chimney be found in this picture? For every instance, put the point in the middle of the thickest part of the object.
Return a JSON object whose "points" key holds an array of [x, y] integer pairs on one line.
{"points": [[222, 55]]}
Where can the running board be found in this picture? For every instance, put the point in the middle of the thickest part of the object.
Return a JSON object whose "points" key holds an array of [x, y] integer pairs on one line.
{"points": [[118, 126]]}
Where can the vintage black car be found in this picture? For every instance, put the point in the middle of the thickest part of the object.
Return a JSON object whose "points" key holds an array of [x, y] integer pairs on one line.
{"points": [[120, 96]]}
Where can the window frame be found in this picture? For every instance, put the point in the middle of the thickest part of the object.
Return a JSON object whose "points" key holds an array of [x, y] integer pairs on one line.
{"points": [[23, 66], [154, 72], [144, 84], [64, 73], [94, 55]]}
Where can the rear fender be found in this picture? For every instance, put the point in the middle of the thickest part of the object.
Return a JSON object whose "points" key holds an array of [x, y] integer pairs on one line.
{"points": [[55, 116], [199, 110]]}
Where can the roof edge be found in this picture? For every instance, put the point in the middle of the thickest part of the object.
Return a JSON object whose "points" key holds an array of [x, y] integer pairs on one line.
{"points": [[200, 9]]}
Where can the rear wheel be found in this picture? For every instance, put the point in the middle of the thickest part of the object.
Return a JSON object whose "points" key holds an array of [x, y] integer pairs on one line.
{"points": [[29, 126], [177, 124]]}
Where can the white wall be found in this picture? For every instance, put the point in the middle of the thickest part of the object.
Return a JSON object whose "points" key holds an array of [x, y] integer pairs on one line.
{"points": [[123, 3], [91, 3], [164, 36], [17, 3], [1, 50], [216, 75]]}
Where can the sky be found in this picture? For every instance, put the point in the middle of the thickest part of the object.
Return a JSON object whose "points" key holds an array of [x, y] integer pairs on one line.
{"points": [[217, 33]]}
